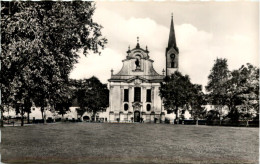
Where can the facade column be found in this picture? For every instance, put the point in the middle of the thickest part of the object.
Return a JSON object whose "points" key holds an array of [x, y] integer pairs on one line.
{"points": [[152, 96], [121, 97], [143, 100], [110, 98], [152, 104], [121, 115], [121, 104], [131, 98], [111, 103]]}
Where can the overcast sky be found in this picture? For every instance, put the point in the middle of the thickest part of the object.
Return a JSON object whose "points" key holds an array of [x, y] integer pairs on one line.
{"points": [[204, 31]]}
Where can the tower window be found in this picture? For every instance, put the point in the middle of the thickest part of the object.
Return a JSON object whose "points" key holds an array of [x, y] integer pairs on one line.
{"points": [[126, 95], [137, 95], [148, 95], [172, 64]]}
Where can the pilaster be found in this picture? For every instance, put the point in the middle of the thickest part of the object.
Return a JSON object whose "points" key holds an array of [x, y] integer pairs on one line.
{"points": [[131, 98], [152, 94], [121, 98]]}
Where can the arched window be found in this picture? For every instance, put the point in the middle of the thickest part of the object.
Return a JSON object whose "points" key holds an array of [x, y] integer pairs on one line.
{"points": [[148, 107], [126, 107], [138, 61]]}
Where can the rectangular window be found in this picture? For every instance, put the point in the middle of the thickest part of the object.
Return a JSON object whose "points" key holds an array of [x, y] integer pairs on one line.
{"points": [[126, 95], [172, 64], [137, 95], [148, 95]]}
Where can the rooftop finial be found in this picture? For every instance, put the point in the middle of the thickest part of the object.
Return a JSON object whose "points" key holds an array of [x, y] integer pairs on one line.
{"points": [[128, 51], [172, 15], [137, 45], [112, 71], [163, 71]]}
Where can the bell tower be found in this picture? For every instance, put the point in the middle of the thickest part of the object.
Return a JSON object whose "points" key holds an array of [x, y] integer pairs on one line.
{"points": [[172, 52]]}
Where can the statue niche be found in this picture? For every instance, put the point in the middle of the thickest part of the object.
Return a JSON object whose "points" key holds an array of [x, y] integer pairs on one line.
{"points": [[137, 63]]}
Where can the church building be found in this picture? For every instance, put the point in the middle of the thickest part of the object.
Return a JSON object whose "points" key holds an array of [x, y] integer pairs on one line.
{"points": [[134, 90]]}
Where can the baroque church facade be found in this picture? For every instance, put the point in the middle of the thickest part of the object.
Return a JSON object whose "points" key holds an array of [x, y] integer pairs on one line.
{"points": [[134, 90]]}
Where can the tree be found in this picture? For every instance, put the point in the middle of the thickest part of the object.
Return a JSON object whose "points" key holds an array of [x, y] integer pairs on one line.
{"points": [[196, 102], [242, 93], [40, 41], [80, 88], [217, 84], [176, 92], [93, 96], [212, 115], [232, 98], [63, 100], [248, 91]]}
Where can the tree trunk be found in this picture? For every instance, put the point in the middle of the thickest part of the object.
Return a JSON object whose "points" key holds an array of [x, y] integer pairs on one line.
{"points": [[247, 123], [62, 117], [44, 118], [177, 116], [42, 113], [22, 113], [54, 113], [2, 116], [8, 114], [197, 122], [28, 117], [81, 118], [220, 114], [94, 114]]}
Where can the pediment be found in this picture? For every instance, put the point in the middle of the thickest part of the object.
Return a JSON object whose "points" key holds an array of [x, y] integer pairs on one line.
{"points": [[137, 80]]}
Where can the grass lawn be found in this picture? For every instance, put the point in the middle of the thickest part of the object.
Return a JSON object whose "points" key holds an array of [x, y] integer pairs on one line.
{"points": [[128, 143]]}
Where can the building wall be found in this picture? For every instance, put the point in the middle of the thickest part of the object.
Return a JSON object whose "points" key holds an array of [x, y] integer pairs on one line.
{"points": [[37, 115]]}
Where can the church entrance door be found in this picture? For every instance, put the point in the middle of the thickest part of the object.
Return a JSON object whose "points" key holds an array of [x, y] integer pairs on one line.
{"points": [[137, 116]]}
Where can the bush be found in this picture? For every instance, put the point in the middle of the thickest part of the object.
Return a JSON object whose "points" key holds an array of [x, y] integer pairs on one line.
{"points": [[167, 121], [49, 120]]}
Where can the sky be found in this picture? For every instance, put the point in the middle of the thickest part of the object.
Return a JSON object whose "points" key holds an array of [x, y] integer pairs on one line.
{"points": [[204, 32]]}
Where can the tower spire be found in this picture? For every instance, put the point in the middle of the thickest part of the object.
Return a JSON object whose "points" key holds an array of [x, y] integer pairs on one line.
{"points": [[172, 39], [172, 52]]}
